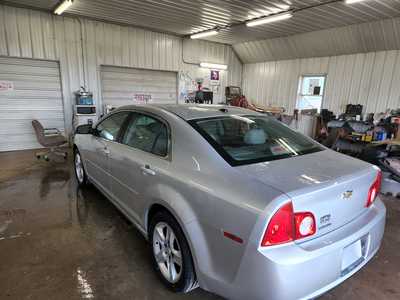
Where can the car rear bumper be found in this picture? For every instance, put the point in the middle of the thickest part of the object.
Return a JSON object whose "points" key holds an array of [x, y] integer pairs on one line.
{"points": [[308, 269]]}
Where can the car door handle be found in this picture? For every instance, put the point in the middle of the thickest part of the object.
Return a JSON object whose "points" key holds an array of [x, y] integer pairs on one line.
{"points": [[106, 151], [146, 170]]}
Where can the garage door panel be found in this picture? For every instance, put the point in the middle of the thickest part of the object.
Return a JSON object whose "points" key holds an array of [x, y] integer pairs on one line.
{"points": [[29, 85], [22, 78], [4, 60], [141, 85], [36, 94], [27, 70], [129, 95], [131, 71], [25, 126], [126, 92], [130, 100], [20, 145], [110, 76], [31, 94], [25, 139], [121, 85], [32, 103], [37, 114]]}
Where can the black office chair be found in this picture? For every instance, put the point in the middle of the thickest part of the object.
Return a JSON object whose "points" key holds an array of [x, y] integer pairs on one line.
{"points": [[51, 139]]}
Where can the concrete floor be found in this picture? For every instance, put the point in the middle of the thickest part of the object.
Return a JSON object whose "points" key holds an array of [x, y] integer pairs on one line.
{"points": [[60, 242]]}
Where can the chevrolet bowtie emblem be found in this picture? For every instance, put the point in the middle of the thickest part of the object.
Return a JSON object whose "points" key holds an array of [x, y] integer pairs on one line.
{"points": [[347, 194]]}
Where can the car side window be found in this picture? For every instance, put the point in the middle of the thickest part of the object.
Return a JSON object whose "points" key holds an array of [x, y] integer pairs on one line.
{"points": [[109, 128], [147, 134]]}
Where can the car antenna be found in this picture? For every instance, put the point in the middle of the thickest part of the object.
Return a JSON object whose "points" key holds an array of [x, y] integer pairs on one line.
{"points": [[224, 110]]}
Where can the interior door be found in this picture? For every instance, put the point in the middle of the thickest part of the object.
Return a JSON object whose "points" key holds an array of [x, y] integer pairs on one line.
{"points": [[141, 160], [106, 134]]}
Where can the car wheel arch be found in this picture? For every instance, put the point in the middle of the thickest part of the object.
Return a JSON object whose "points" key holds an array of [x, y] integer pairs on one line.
{"points": [[158, 206], [199, 243], [76, 149]]}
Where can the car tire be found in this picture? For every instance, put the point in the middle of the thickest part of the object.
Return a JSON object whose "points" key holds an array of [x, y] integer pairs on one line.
{"points": [[79, 169], [165, 256]]}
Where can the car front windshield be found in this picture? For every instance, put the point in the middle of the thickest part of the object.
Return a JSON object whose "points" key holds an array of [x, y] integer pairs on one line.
{"points": [[251, 139]]}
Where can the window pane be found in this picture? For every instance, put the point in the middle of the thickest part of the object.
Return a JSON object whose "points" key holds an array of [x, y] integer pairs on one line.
{"points": [[147, 134], [313, 86], [250, 139], [311, 90], [310, 102], [110, 127]]}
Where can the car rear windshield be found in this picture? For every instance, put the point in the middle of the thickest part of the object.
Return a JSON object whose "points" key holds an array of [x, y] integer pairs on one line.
{"points": [[251, 139]]}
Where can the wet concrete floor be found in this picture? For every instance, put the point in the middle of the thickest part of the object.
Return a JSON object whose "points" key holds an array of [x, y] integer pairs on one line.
{"points": [[61, 242]]}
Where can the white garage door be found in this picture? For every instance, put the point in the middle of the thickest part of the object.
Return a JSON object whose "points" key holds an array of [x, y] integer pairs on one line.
{"points": [[124, 86], [29, 89]]}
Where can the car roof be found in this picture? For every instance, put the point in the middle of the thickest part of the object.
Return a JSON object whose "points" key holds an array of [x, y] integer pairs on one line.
{"points": [[195, 111]]}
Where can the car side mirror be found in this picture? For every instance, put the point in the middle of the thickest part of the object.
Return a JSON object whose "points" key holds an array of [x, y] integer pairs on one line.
{"points": [[84, 129]]}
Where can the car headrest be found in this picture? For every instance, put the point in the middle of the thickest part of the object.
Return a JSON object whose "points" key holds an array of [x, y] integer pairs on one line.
{"points": [[255, 136], [154, 127]]}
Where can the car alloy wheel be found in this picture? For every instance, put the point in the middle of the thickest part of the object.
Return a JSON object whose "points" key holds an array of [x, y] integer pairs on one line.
{"points": [[79, 171], [167, 252]]}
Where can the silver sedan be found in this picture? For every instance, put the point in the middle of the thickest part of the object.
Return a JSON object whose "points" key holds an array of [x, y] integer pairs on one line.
{"points": [[234, 201]]}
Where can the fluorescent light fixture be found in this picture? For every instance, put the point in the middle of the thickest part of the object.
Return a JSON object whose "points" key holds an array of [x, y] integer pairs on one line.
{"points": [[352, 1], [63, 6], [269, 19], [204, 34], [213, 66]]}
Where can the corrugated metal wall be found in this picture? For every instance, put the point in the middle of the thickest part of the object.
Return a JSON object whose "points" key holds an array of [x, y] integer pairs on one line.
{"points": [[108, 44], [33, 34], [197, 51], [371, 79]]}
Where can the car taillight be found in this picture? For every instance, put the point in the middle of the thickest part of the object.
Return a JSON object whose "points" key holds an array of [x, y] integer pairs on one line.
{"points": [[305, 224], [374, 189], [286, 226], [280, 228]]}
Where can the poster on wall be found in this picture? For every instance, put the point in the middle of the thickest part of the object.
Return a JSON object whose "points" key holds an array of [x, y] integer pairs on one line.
{"points": [[188, 84], [142, 98], [214, 75], [187, 87], [214, 78], [6, 86]]}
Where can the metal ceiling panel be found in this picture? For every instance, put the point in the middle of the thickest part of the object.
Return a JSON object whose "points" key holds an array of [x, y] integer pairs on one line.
{"points": [[358, 38], [183, 17]]}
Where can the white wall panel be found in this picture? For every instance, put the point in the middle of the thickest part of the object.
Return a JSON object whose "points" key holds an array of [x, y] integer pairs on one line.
{"points": [[81, 46], [371, 79], [138, 48]]}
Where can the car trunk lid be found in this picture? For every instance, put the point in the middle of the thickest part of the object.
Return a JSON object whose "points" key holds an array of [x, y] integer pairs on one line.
{"points": [[332, 186]]}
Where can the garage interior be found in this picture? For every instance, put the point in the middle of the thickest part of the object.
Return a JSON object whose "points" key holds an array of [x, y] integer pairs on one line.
{"points": [[58, 241]]}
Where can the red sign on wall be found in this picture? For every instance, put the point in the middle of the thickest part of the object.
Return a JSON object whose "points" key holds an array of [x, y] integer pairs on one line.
{"points": [[142, 98], [6, 86]]}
